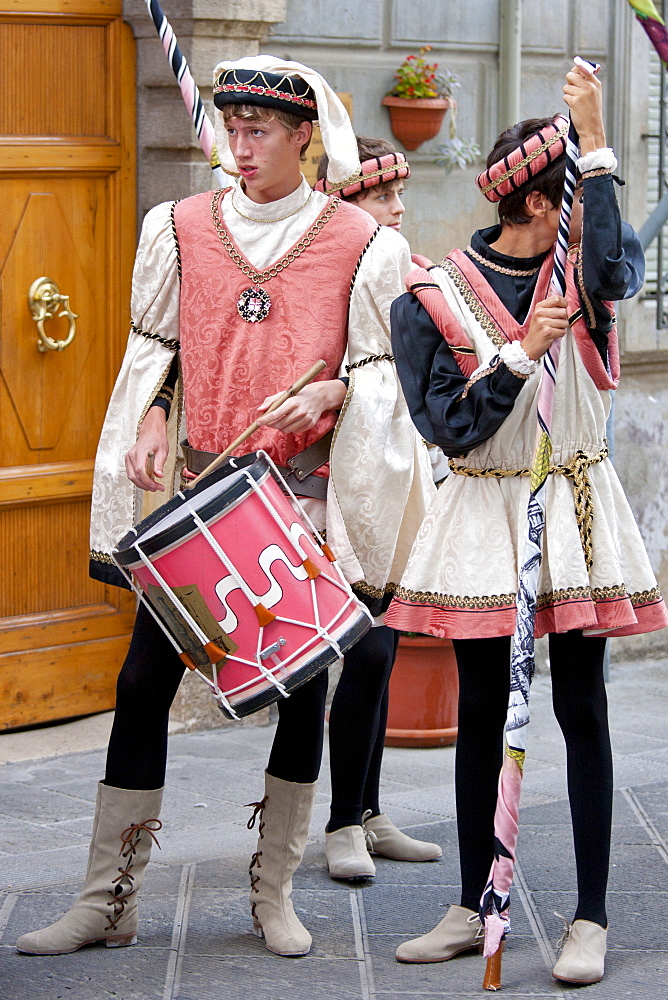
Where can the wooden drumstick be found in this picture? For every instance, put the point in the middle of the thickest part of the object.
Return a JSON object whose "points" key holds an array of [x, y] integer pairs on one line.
{"points": [[292, 391], [150, 465]]}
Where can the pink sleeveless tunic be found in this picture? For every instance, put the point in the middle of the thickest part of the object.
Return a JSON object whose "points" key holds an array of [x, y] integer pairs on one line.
{"points": [[230, 365]]}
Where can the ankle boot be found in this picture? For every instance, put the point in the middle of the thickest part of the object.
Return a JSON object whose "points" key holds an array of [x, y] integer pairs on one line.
{"points": [[347, 855], [582, 959], [285, 813], [124, 829], [382, 837], [459, 930]]}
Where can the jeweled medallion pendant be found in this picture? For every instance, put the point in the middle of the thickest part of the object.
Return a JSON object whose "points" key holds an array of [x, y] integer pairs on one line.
{"points": [[254, 304]]}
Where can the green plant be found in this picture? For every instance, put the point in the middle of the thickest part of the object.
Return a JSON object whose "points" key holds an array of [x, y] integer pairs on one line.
{"points": [[417, 78], [456, 152]]}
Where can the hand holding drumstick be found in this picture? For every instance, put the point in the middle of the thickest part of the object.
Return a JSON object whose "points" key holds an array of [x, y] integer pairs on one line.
{"points": [[277, 401]]}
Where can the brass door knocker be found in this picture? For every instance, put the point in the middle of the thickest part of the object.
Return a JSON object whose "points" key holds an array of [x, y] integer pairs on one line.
{"points": [[45, 299]]}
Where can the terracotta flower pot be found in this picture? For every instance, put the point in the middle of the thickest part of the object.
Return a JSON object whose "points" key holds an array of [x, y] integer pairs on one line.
{"points": [[424, 692], [414, 120]]}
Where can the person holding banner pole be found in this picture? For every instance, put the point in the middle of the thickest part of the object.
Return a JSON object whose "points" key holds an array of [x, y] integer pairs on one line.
{"points": [[470, 341]]}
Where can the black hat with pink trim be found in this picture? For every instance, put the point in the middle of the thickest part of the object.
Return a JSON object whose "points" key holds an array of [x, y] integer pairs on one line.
{"points": [[280, 91]]}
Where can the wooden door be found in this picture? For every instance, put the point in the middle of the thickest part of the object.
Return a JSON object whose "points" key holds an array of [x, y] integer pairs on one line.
{"points": [[67, 179]]}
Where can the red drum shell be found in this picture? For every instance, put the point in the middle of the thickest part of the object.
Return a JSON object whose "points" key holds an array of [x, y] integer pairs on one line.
{"points": [[270, 564]]}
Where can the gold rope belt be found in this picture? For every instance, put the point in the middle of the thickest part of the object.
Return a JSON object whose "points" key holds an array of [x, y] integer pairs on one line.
{"points": [[576, 470]]}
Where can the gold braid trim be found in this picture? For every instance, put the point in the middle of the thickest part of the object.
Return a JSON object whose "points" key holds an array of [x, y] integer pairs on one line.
{"points": [[366, 588], [580, 593], [342, 413], [101, 557], [370, 360], [546, 600], [453, 601], [576, 470], [359, 178], [481, 374], [513, 272], [516, 755], [574, 256], [599, 172], [472, 301], [645, 597]]}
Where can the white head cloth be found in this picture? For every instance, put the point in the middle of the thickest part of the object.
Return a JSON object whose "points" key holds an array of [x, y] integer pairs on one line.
{"points": [[336, 129]]}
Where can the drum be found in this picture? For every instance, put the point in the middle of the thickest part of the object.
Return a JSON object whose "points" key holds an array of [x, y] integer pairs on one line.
{"points": [[240, 581]]}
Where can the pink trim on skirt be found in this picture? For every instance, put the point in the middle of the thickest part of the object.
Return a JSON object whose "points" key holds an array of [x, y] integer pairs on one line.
{"points": [[608, 617]]}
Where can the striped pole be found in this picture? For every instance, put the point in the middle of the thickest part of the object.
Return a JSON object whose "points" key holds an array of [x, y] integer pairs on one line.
{"points": [[188, 87]]}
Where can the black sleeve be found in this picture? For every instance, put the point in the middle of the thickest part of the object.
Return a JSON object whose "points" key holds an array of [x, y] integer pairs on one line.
{"points": [[165, 395], [613, 263], [434, 385]]}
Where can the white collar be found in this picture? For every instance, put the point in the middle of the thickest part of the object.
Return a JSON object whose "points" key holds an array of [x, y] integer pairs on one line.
{"points": [[272, 210]]}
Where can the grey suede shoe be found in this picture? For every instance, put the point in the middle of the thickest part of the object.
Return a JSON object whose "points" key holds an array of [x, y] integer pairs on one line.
{"points": [[582, 958], [459, 930], [347, 854], [383, 837]]}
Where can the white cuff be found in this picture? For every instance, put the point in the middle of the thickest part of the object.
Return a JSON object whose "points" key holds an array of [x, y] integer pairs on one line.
{"points": [[598, 159], [515, 357]]}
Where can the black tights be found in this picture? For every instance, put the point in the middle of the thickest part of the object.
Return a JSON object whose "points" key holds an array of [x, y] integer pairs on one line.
{"points": [[580, 706], [149, 680], [357, 722]]}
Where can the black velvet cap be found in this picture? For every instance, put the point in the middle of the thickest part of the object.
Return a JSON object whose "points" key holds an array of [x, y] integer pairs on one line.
{"points": [[266, 90]]}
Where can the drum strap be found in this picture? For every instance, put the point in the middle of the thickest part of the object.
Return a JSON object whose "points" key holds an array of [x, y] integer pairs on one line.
{"points": [[298, 476]]}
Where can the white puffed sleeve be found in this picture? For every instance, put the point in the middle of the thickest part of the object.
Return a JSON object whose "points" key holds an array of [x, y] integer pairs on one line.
{"points": [[154, 304], [151, 348], [381, 483]]}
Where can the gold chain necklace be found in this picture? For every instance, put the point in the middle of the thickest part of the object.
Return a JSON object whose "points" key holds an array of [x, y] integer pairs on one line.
{"points": [[254, 303], [282, 218], [497, 267]]}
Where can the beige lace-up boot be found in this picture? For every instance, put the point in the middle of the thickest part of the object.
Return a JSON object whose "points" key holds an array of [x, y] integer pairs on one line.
{"points": [[284, 816], [124, 829]]}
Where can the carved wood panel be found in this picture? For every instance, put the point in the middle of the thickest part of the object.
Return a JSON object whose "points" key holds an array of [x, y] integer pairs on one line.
{"points": [[67, 102]]}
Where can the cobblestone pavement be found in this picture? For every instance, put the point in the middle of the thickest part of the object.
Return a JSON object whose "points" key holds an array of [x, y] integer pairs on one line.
{"points": [[195, 938]]}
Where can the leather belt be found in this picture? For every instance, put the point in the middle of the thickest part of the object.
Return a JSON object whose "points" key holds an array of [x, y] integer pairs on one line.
{"points": [[298, 474]]}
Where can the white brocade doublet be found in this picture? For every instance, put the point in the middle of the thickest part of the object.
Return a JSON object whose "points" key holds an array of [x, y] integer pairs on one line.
{"points": [[381, 483], [461, 578]]}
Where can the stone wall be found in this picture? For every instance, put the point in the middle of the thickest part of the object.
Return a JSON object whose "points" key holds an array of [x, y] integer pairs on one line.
{"points": [[170, 161], [358, 47]]}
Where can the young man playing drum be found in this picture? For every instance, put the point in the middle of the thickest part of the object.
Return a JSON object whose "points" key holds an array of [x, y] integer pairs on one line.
{"points": [[253, 285]]}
